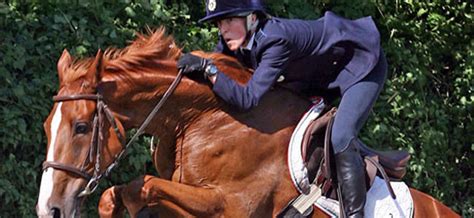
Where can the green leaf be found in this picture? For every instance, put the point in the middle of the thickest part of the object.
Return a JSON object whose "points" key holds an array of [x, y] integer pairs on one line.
{"points": [[130, 12], [421, 12], [19, 91], [81, 50]]}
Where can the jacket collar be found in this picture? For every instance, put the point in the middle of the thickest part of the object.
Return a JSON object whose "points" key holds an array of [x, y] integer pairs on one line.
{"points": [[250, 43]]}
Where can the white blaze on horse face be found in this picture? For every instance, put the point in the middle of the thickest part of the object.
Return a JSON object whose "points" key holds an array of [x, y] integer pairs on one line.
{"points": [[46, 188]]}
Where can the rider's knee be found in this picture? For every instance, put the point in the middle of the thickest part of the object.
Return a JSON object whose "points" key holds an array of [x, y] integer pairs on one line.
{"points": [[340, 138]]}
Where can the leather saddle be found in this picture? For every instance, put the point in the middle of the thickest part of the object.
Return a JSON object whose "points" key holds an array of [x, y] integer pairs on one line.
{"points": [[390, 165]]}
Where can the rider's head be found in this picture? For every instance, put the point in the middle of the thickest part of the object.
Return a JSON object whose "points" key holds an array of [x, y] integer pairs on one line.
{"points": [[236, 20]]}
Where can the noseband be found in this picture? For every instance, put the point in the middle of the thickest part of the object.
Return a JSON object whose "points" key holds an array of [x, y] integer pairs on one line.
{"points": [[97, 137]]}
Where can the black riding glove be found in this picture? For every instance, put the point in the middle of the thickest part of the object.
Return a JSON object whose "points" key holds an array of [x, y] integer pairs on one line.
{"points": [[191, 63]]}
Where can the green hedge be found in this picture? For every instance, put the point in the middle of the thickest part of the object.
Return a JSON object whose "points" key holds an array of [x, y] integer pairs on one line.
{"points": [[426, 107]]}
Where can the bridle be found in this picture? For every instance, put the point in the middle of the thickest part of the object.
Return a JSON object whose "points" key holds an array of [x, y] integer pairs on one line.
{"points": [[102, 110]]}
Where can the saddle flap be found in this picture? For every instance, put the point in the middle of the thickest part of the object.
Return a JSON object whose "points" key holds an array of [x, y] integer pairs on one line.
{"points": [[394, 162], [314, 130]]}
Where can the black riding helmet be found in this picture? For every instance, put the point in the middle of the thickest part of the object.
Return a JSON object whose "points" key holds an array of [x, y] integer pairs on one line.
{"points": [[218, 9]]}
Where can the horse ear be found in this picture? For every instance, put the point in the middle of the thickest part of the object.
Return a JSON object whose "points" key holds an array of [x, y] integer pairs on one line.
{"points": [[96, 66], [63, 63]]}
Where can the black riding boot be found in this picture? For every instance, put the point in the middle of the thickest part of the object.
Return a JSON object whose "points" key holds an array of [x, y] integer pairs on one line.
{"points": [[351, 179]]}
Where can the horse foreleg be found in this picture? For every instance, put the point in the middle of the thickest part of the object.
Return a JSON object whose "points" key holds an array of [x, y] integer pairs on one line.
{"points": [[176, 197], [110, 204], [427, 206]]}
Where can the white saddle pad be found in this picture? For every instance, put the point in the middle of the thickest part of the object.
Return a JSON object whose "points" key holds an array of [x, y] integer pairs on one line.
{"points": [[379, 203], [298, 171]]}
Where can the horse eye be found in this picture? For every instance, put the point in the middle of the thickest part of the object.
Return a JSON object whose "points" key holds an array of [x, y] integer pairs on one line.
{"points": [[81, 128]]}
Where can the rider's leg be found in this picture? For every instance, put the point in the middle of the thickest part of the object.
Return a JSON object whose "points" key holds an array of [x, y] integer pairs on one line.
{"points": [[353, 111]]}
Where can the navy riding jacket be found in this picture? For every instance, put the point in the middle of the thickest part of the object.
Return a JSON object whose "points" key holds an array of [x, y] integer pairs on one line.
{"points": [[306, 56]]}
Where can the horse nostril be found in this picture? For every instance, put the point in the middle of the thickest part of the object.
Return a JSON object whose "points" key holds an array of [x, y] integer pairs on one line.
{"points": [[55, 212]]}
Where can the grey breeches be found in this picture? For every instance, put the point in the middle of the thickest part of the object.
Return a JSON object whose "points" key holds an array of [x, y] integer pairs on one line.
{"points": [[355, 106]]}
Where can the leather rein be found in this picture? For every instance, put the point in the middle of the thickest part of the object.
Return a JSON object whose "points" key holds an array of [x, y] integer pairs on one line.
{"points": [[102, 111]]}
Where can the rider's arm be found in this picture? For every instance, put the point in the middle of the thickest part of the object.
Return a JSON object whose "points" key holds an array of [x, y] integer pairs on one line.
{"points": [[275, 54]]}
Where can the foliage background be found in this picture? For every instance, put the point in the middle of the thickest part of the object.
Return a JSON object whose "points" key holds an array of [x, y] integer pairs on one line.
{"points": [[426, 106]]}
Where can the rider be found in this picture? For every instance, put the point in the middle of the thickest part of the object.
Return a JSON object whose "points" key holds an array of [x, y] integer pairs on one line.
{"points": [[306, 56]]}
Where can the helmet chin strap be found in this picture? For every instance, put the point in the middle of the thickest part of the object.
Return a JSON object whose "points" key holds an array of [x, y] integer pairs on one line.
{"points": [[251, 26]]}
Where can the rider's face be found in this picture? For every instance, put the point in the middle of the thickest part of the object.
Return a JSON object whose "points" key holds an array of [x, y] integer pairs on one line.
{"points": [[233, 31]]}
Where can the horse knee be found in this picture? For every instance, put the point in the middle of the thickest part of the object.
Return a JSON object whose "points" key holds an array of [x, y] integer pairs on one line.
{"points": [[110, 203], [135, 194], [137, 189]]}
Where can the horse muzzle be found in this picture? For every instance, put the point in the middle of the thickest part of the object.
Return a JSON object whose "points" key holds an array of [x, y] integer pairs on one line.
{"points": [[52, 213], [67, 209]]}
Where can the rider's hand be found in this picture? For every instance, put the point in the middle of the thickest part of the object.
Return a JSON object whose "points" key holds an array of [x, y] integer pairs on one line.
{"points": [[191, 63]]}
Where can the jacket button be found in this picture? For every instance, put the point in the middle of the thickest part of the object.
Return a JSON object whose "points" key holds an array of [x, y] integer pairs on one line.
{"points": [[281, 78], [334, 63]]}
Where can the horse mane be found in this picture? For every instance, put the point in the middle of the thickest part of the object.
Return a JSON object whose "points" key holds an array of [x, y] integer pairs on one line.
{"points": [[152, 48], [150, 51]]}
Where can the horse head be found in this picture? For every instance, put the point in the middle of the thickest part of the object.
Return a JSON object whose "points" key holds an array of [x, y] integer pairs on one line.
{"points": [[83, 138]]}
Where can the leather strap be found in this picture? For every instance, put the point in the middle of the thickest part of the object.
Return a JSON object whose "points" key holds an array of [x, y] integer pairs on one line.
{"points": [[93, 97], [384, 175], [327, 148], [67, 168]]}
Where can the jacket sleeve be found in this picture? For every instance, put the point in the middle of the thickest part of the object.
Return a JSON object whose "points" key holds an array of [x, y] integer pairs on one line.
{"points": [[275, 54]]}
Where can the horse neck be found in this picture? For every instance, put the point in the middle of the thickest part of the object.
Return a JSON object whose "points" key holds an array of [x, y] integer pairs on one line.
{"points": [[132, 98]]}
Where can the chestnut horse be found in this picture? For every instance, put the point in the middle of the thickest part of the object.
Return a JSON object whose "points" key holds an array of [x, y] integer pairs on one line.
{"points": [[213, 160]]}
